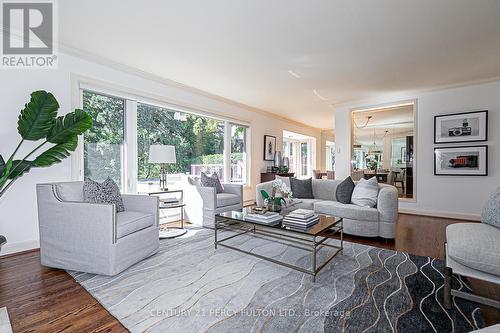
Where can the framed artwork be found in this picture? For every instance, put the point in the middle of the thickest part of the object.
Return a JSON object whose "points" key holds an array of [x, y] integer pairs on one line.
{"points": [[403, 154], [269, 147], [461, 127], [461, 161]]}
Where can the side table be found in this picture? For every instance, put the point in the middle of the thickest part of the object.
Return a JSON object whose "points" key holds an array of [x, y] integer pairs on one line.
{"points": [[171, 232]]}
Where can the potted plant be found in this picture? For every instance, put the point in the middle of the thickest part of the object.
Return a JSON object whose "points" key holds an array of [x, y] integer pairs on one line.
{"points": [[273, 201], [58, 136]]}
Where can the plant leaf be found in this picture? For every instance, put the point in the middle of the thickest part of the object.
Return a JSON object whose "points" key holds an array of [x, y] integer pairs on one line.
{"points": [[3, 175], [38, 116], [20, 167], [264, 194], [57, 153], [2, 165], [72, 124]]}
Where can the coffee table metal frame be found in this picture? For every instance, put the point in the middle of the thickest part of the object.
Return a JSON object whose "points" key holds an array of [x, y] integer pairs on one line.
{"points": [[309, 242]]}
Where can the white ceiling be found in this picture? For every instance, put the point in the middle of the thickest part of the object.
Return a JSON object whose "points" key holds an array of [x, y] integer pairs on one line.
{"points": [[344, 50]]}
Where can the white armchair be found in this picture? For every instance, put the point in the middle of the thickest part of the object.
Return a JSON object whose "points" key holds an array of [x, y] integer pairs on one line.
{"points": [[93, 238], [203, 203]]}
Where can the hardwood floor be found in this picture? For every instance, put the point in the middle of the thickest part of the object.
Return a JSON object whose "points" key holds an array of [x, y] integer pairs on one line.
{"points": [[41, 299]]}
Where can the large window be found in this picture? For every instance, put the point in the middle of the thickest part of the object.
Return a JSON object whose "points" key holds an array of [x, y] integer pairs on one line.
{"points": [[300, 151], [103, 143], [330, 155], [198, 141], [124, 129], [238, 154]]}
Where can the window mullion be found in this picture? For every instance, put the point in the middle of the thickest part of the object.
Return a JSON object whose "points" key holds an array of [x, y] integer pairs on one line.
{"points": [[227, 152], [130, 147]]}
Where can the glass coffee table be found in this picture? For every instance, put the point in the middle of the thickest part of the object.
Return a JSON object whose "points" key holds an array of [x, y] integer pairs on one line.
{"points": [[310, 240]]}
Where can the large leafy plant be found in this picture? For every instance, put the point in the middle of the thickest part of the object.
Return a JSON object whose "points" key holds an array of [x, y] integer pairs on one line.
{"points": [[39, 122]]}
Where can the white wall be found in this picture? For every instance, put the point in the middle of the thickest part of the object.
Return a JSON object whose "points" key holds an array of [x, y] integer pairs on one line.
{"points": [[18, 214], [450, 196]]}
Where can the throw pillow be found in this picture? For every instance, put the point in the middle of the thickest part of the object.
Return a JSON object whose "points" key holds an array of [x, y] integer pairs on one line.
{"points": [[106, 192], [285, 180], [491, 210], [344, 191], [365, 193], [301, 188], [212, 181]]}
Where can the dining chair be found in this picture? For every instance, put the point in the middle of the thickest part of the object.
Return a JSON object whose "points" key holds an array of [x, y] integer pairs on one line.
{"points": [[317, 174], [330, 175], [391, 177], [400, 179]]}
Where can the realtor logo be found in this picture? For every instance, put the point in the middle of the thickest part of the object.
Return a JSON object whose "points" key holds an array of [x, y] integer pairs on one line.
{"points": [[28, 34]]}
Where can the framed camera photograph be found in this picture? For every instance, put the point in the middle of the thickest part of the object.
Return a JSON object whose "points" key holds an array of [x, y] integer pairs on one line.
{"points": [[461, 161], [269, 147], [461, 127]]}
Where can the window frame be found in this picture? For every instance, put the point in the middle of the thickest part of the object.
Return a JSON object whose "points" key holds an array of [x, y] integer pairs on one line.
{"points": [[130, 131]]}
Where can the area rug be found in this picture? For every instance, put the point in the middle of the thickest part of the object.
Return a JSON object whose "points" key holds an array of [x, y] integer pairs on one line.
{"points": [[191, 287]]}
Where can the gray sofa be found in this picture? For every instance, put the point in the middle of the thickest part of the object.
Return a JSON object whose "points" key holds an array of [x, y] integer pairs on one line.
{"points": [[361, 221], [93, 238]]}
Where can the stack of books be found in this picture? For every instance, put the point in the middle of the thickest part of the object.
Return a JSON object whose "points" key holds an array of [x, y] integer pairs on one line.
{"points": [[166, 202], [300, 219], [267, 218]]}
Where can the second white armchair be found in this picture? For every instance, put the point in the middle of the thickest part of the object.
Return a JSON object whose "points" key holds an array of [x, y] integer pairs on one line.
{"points": [[203, 203]]}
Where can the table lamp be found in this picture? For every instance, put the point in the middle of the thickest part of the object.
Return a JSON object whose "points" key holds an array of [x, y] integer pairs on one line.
{"points": [[162, 154]]}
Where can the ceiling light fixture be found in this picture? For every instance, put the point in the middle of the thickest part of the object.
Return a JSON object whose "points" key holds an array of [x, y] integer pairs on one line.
{"points": [[319, 95], [292, 73]]}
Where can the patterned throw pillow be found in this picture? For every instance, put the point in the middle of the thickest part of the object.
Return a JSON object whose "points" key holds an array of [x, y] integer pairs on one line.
{"points": [[365, 193], [344, 191], [106, 192], [212, 181], [491, 210]]}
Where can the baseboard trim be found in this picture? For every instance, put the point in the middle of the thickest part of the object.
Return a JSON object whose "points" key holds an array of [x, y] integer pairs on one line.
{"points": [[446, 215], [11, 248]]}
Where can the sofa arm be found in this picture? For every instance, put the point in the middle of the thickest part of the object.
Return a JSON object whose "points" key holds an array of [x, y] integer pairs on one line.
{"points": [[388, 204], [234, 189], [74, 224], [268, 187], [142, 203], [209, 197]]}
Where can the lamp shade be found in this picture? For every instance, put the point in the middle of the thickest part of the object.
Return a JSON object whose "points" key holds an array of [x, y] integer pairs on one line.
{"points": [[162, 154]]}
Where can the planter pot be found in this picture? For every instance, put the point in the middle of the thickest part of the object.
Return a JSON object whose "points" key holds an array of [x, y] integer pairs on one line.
{"points": [[3, 240]]}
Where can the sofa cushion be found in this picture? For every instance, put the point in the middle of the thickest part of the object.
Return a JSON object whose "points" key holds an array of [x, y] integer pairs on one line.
{"points": [[324, 189], [299, 204], [106, 192], [491, 210], [475, 245], [344, 191], [70, 191], [348, 211], [365, 193], [301, 188], [128, 222], [227, 199]]}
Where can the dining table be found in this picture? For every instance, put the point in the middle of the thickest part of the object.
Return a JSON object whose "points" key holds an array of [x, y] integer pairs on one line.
{"points": [[381, 175]]}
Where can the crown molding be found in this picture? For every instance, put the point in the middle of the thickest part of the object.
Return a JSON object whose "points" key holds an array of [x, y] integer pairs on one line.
{"points": [[406, 95], [167, 82]]}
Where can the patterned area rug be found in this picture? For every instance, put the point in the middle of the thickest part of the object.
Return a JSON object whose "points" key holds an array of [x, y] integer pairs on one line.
{"points": [[191, 287]]}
